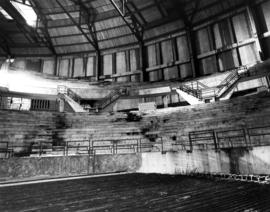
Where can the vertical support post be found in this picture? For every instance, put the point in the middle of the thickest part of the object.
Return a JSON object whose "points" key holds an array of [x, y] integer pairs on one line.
{"points": [[190, 144], [193, 52], [55, 65], [161, 145], [247, 137], [98, 65], [143, 56], [40, 148], [255, 30], [216, 141]]}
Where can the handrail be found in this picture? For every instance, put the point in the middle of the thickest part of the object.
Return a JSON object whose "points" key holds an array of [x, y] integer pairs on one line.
{"points": [[194, 92], [213, 92], [112, 97], [73, 95], [62, 89], [228, 138]]}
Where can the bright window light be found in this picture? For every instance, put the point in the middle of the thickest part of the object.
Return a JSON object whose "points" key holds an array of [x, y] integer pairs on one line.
{"points": [[27, 12], [5, 14]]}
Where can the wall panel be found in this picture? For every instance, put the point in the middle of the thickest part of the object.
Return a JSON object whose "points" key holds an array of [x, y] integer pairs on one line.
{"points": [[182, 49], [185, 71], [121, 62], [134, 59], [228, 60], [48, 66], [156, 75], [167, 51], [171, 73], [107, 64], [90, 66], [64, 67], [266, 13], [152, 55], [78, 68], [241, 27], [248, 54], [223, 34], [204, 40], [208, 65]]}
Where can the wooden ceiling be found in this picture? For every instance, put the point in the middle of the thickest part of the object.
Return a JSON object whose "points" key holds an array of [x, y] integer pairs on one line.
{"points": [[84, 26]]}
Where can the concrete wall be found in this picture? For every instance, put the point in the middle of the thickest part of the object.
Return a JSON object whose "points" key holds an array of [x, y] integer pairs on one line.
{"points": [[234, 161], [44, 167]]}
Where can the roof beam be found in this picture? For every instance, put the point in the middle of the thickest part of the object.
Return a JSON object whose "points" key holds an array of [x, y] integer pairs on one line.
{"points": [[137, 11], [44, 29], [197, 5], [133, 25], [22, 2], [89, 22], [160, 9], [20, 21], [78, 25]]}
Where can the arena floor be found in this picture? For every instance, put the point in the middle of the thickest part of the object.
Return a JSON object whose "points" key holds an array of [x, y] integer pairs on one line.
{"points": [[136, 192]]}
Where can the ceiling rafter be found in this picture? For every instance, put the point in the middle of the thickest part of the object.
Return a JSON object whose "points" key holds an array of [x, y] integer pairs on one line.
{"points": [[137, 12], [160, 9], [44, 29], [90, 21], [30, 33], [135, 27], [197, 5], [78, 26]]}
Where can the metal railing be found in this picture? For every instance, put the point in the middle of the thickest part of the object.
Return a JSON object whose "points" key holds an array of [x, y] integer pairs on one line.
{"points": [[112, 97], [194, 91], [229, 138], [116, 146], [80, 147], [201, 91], [74, 96]]}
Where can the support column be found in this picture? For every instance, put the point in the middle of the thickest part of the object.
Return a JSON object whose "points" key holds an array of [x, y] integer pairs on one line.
{"points": [[143, 59], [98, 65], [193, 52], [165, 101], [55, 66], [255, 30]]}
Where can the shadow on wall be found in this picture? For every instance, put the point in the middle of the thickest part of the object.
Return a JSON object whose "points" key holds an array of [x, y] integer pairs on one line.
{"points": [[60, 124], [150, 130], [235, 155]]}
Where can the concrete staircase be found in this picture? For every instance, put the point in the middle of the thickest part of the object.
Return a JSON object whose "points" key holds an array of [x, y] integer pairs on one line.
{"points": [[197, 93], [106, 103]]}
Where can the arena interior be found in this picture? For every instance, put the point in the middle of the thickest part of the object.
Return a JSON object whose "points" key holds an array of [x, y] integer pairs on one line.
{"points": [[135, 105]]}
